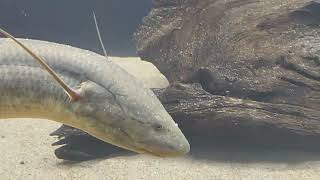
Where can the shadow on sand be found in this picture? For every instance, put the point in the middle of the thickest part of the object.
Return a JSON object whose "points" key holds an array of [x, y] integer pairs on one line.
{"points": [[251, 152], [85, 147]]}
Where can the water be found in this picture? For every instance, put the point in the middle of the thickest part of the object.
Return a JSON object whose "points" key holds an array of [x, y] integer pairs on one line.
{"points": [[71, 22]]}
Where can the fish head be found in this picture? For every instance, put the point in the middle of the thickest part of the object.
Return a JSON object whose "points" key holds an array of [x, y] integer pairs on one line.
{"points": [[134, 120]]}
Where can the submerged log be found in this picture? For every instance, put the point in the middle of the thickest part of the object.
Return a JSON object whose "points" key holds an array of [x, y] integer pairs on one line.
{"points": [[258, 60], [250, 72], [265, 50]]}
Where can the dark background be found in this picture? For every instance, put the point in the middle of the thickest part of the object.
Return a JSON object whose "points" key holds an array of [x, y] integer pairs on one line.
{"points": [[71, 22]]}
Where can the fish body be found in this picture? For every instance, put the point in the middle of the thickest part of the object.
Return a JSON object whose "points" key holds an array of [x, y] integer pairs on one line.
{"points": [[114, 106]]}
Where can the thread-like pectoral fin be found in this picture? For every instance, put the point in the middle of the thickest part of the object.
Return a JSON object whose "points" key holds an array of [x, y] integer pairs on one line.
{"points": [[99, 35], [73, 94]]}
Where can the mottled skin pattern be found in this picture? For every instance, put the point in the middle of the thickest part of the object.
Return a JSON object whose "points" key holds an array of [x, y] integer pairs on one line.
{"points": [[115, 107]]}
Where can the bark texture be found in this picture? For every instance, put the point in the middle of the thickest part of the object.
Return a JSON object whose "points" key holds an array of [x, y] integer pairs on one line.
{"points": [[265, 50], [259, 59]]}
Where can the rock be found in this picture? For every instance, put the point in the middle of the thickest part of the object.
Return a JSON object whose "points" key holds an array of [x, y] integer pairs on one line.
{"points": [[143, 70]]}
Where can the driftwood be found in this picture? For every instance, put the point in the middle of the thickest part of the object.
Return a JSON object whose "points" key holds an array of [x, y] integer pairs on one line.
{"points": [[266, 51], [260, 61], [250, 73]]}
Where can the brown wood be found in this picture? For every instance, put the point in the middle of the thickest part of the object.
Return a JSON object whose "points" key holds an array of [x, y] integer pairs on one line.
{"points": [[258, 61]]}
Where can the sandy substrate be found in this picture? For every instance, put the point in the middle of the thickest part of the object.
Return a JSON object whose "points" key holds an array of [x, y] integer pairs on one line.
{"points": [[26, 153]]}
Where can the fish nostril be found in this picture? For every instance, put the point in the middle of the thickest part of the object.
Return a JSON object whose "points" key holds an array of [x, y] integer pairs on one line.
{"points": [[157, 127]]}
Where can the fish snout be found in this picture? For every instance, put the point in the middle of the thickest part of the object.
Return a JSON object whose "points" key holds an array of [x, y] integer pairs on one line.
{"points": [[169, 147]]}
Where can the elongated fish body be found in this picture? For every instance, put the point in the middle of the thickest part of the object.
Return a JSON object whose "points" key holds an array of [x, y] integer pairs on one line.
{"points": [[115, 107]]}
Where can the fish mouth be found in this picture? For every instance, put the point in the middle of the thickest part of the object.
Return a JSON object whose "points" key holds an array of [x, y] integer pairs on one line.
{"points": [[165, 154], [160, 153], [165, 151], [176, 146]]}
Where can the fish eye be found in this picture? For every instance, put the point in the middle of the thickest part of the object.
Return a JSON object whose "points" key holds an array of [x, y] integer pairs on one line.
{"points": [[157, 127]]}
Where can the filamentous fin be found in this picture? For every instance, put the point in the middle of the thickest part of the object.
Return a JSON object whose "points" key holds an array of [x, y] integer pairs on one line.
{"points": [[99, 35]]}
